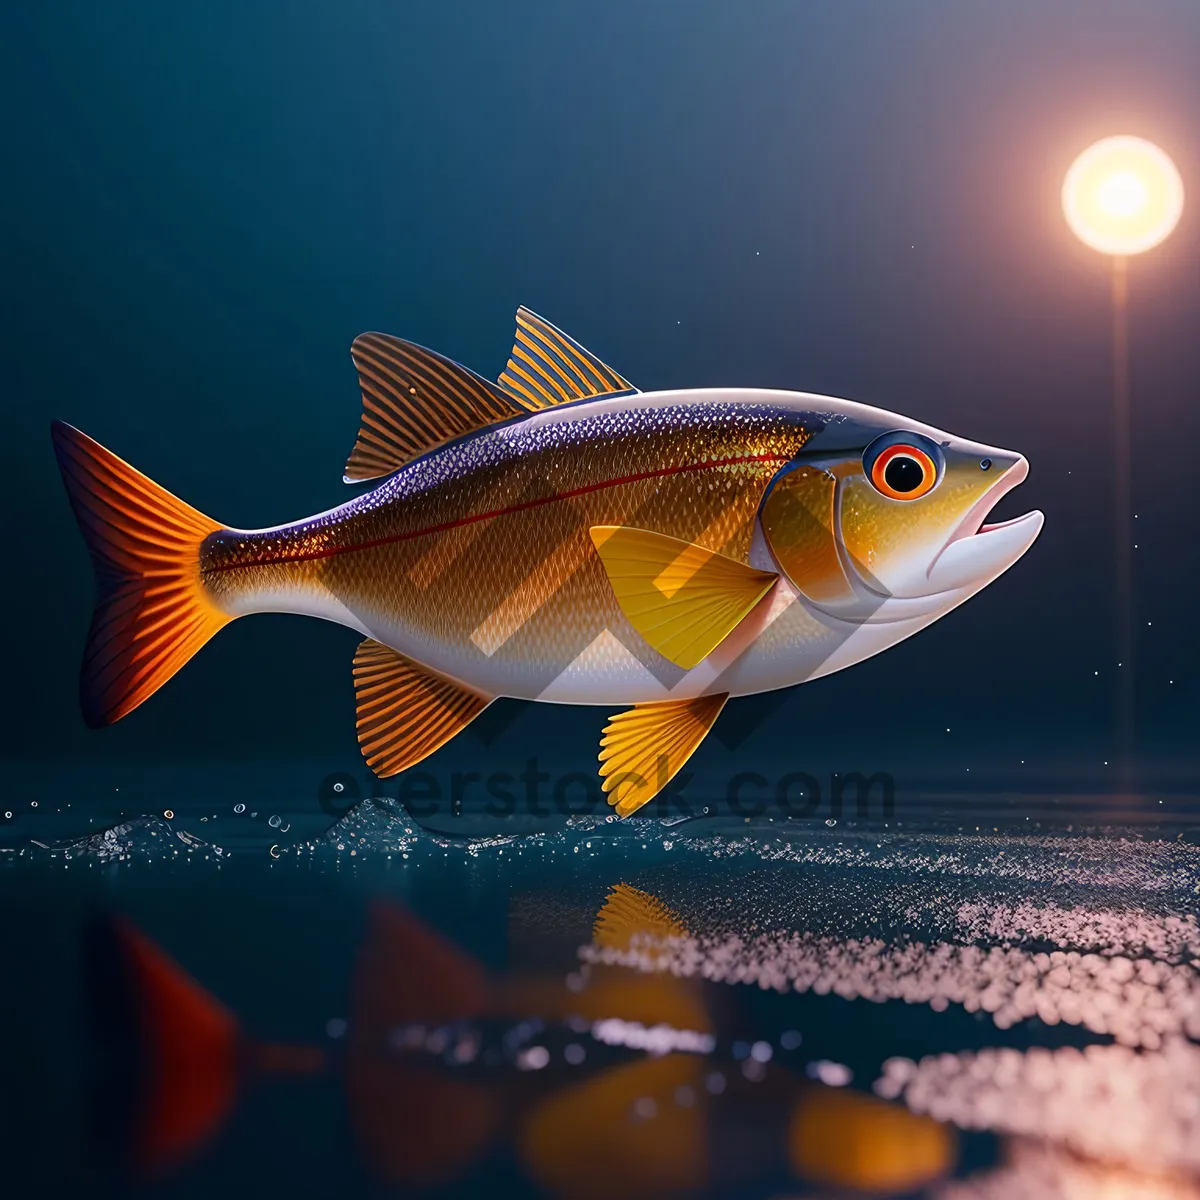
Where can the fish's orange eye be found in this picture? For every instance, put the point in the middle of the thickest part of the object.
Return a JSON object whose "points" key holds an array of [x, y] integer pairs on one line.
{"points": [[903, 472]]}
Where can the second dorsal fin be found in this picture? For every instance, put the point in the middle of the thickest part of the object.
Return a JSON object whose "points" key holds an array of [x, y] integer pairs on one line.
{"points": [[413, 401], [547, 367]]}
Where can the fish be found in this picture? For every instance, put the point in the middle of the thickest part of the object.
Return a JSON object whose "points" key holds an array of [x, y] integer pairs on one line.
{"points": [[560, 536], [427, 1105]]}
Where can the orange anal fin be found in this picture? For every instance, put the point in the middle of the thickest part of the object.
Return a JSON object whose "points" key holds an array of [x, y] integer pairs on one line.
{"points": [[405, 710], [643, 749]]}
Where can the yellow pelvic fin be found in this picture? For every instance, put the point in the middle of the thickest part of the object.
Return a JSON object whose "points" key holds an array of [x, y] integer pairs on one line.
{"points": [[405, 710], [643, 749], [413, 401], [683, 599], [547, 367]]}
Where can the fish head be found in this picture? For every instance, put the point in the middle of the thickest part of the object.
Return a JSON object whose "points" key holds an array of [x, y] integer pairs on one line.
{"points": [[887, 520]]}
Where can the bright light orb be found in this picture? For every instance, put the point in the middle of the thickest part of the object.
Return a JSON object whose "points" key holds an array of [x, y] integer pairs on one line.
{"points": [[1122, 196]]}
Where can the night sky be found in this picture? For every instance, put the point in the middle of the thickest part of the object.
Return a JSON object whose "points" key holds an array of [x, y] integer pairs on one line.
{"points": [[205, 203]]}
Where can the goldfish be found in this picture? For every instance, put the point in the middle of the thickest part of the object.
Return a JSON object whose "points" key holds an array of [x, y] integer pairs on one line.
{"points": [[560, 536]]}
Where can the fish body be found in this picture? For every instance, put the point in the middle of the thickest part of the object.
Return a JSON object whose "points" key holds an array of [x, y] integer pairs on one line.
{"points": [[538, 540], [476, 559]]}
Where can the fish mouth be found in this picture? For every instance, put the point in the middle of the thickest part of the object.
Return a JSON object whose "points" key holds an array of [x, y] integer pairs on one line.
{"points": [[976, 552], [973, 523]]}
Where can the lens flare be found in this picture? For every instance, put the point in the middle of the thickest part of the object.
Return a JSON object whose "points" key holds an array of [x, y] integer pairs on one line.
{"points": [[1122, 196]]}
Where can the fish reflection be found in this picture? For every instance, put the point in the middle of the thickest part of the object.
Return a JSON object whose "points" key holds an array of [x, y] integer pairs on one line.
{"points": [[608, 1081], [1130, 975], [170, 1057], [1119, 1117]]}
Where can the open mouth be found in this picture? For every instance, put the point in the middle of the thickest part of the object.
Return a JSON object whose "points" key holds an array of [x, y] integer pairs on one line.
{"points": [[977, 551], [973, 523]]}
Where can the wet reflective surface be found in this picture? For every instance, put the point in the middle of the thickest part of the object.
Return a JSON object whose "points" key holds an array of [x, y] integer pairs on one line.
{"points": [[208, 1006]]}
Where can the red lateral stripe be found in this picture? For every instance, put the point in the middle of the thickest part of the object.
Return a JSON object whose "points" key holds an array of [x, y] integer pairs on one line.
{"points": [[499, 512]]}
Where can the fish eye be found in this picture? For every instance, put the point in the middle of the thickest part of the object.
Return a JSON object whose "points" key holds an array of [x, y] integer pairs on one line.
{"points": [[901, 471]]}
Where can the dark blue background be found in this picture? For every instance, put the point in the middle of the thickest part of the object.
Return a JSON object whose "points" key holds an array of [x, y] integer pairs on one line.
{"points": [[204, 203]]}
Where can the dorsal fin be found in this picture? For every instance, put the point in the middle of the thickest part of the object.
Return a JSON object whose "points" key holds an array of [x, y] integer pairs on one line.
{"points": [[413, 401], [547, 367]]}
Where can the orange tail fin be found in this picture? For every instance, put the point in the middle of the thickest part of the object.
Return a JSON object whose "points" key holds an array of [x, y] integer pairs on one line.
{"points": [[152, 611], [174, 1051]]}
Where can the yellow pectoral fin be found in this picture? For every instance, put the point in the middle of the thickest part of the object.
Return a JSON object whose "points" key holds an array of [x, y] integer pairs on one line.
{"points": [[643, 749], [405, 710], [682, 598]]}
